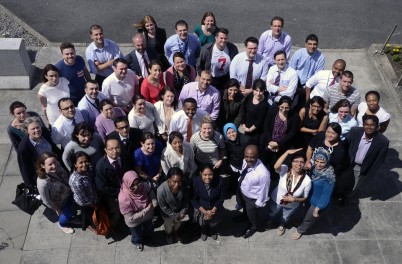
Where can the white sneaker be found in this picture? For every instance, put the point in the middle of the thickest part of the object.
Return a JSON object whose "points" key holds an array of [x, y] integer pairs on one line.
{"points": [[66, 230]]}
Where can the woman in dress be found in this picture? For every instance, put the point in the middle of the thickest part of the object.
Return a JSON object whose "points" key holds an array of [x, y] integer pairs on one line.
{"points": [[180, 154], [280, 127], [84, 139], [53, 89], [153, 84], [104, 122], [147, 160], [137, 203], [313, 120], [372, 107], [255, 109], [340, 113], [144, 116], [207, 30], [232, 100], [180, 73], [54, 190], [31, 147], [83, 187], [323, 183], [207, 200], [15, 129], [166, 107], [155, 37], [292, 190], [173, 202]]}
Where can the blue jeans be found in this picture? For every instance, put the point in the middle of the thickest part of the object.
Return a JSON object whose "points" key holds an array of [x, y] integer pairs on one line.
{"points": [[67, 212], [284, 213], [142, 232]]}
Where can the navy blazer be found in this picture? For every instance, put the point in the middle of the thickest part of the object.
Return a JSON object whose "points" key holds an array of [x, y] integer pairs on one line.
{"points": [[127, 151], [107, 180], [133, 63], [27, 157], [200, 195], [375, 155]]}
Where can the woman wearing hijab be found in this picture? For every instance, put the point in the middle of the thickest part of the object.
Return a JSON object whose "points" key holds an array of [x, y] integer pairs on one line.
{"points": [[137, 204], [323, 183]]}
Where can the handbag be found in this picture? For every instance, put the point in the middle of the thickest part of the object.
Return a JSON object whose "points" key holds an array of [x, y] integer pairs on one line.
{"points": [[25, 198]]}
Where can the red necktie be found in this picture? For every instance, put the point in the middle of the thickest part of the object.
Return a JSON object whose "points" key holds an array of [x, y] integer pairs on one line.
{"points": [[189, 129]]}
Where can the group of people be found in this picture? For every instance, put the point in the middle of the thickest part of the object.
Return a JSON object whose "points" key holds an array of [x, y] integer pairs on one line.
{"points": [[181, 123]]}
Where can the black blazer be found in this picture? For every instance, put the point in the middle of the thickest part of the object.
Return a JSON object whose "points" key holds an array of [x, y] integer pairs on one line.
{"points": [[375, 155], [200, 195], [160, 37], [133, 63], [27, 157], [204, 63], [127, 151], [293, 122], [107, 180]]}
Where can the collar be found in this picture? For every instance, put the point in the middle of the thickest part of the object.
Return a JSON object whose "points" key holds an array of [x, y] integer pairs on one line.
{"points": [[112, 160], [34, 143], [364, 137]]}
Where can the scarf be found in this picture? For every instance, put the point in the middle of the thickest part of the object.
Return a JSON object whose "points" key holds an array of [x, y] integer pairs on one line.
{"points": [[326, 173], [129, 200], [226, 128], [179, 82]]}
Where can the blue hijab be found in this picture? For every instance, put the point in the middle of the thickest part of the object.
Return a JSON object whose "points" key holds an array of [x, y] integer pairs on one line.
{"points": [[328, 171], [226, 127]]}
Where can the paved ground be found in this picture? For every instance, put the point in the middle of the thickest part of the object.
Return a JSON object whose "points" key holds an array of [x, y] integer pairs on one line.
{"points": [[366, 231], [338, 24]]}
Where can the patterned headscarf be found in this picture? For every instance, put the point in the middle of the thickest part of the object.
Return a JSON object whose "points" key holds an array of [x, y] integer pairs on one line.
{"points": [[129, 200], [226, 128], [328, 171]]}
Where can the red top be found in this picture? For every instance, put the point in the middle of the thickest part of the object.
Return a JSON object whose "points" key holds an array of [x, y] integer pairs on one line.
{"points": [[150, 91]]}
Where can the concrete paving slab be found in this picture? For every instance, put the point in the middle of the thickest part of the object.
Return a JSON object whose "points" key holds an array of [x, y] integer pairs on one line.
{"points": [[217, 252], [315, 251], [14, 225], [272, 252], [88, 239], [359, 251], [43, 234], [129, 254], [7, 193], [4, 155], [10, 256], [97, 255], [392, 250], [11, 168], [47, 256], [184, 253], [386, 219]]}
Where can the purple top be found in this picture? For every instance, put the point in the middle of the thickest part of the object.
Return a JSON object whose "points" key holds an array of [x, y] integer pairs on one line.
{"points": [[105, 126]]}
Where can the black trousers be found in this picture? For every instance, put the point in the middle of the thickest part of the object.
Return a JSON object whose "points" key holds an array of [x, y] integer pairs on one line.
{"points": [[253, 212]]}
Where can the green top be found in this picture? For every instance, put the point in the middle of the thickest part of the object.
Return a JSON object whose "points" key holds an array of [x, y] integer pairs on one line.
{"points": [[204, 39]]}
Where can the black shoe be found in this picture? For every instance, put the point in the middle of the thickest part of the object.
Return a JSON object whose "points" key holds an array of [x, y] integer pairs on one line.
{"points": [[203, 237], [140, 247], [214, 236], [249, 233]]}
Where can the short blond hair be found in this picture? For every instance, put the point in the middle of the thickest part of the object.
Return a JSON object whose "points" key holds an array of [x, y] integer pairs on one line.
{"points": [[206, 120]]}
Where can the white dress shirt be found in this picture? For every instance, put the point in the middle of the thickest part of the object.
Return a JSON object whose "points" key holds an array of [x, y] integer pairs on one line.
{"points": [[320, 81], [288, 78], [120, 92], [239, 67], [179, 122], [256, 183], [63, 128]]}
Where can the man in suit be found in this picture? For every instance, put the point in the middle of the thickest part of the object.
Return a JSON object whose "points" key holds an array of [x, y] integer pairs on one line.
{"points": [[129, 139], [367, 150], [139, 59], [109, 173]]}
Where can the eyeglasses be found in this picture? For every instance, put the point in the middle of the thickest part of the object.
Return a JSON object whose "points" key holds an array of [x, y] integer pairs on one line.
{"points": [[72, 107], [113, 149]]}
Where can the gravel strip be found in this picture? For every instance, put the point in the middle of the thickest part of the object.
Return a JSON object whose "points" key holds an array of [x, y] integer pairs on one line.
{"points": [[11, 29]]}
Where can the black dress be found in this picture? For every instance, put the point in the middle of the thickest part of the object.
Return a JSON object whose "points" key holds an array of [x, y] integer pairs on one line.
{"points": [[254, 115], [303, 138]]}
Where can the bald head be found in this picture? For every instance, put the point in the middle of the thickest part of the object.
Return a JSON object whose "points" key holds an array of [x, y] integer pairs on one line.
{"points": [[139, 43], [251, 155]]}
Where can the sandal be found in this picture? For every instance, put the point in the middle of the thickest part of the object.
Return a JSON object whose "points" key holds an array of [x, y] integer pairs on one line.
{"points": [[66, 230], [280, 231], [296, 235]]}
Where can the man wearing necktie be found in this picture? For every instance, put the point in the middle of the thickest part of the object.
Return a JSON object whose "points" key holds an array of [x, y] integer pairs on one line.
{"points": [[248, 66], [138, 60], [90, 102], [306, 61], [129, 139], [281, 79], [254, 186], [109, 173]]}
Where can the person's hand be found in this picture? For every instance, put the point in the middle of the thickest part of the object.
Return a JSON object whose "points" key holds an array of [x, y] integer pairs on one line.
{"points": [[156, 177], [307, 166], [218, 164], [315, 131], [288, 198], [293, 151], [315, 213], [58, 212], [164, 136], [140, 78]]}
